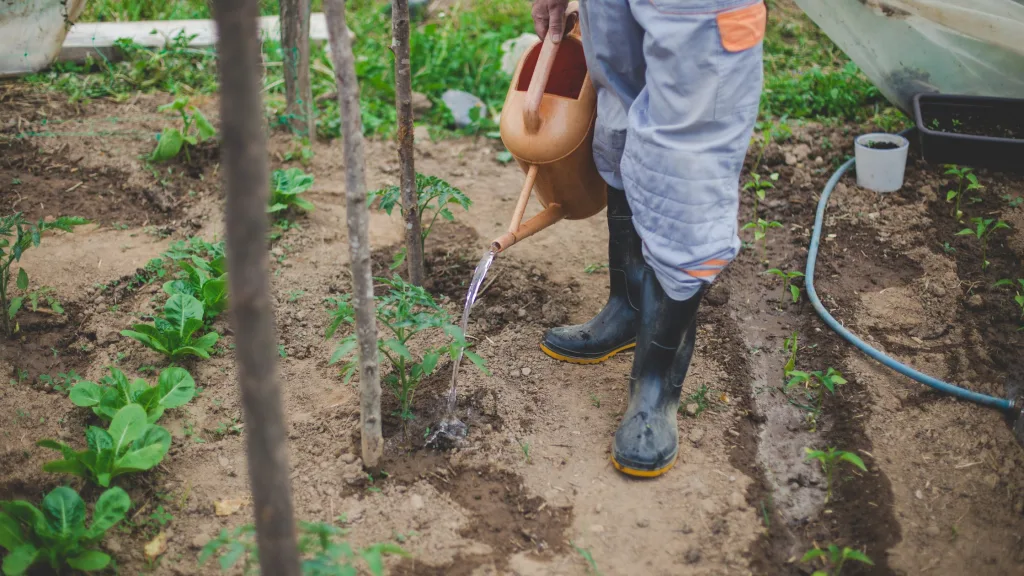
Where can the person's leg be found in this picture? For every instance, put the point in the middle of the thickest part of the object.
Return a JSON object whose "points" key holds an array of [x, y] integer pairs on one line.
{"points": [[688, 134], [613, 43]]}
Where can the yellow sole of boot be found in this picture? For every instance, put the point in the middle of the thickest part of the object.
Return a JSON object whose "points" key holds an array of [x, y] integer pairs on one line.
{"points": [[572, 360], [643, 473]]}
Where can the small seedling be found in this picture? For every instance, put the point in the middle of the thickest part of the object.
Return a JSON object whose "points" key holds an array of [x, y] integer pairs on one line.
{"points": [[525, 447], [761, 228], [286, 186], [294, 295], [787, 283], [790, 345], [759, 187], [947, 248], [16, 236], [195, 129], [62, 382], [129, 444], [175, 388], [983, 229], [173, 333], [586, 555], [698, 397], [830, 460], [57, 536], [1013, 201], [405, 311], [834, 558], [1018, 298], [594, 268], [815, 382], [595, 401], [965, 181], [434, 198]]}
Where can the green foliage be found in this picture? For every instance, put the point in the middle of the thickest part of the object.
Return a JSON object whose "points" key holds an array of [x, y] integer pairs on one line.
{"points": [[830, 460], [966, 181], [589, 558], [322, 547], [195, 129], [16, 236], [286, 185], [700, 398], [816, 384], [173, 334], [787, 283], [434, 198], [842, 93], [758, 187], [834, 558], [595, 268], [129, 444], [57, 535], [206, 281], [983, 229], [194, 246], [405, 311], [175, 388], [761, 228], [62, 382], [790, 345]]}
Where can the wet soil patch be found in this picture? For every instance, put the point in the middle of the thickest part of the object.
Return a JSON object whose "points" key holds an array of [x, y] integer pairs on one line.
{"points": [[45, 344], [41, 184]]}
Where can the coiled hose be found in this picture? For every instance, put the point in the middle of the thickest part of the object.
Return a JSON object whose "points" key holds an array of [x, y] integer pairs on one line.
{"points": [[812, 257]]}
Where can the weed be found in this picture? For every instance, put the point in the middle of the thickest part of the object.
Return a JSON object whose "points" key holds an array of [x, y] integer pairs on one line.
{"points": [[830, 460], [525, 447], [790, 345], [787, 283], [595, 401], [195, 129], [834, 558], [175, 388], [301, 152], [595, 268], [1013, 201], [62, 382], [434, 198], [405, 311], [815, 383], [294, 295], [57, 535], [964, 176], [948, 249], [586, 555], [129, 444], [983, 228], [16, 236], [761, 228], [286, 186], [281, 351], [173, 333], [21, 375], [228, 428], [700, 398], [322, 547]]}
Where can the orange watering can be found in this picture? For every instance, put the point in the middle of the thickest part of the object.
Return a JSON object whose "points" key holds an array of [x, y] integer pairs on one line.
{"points": [[548, 126]]}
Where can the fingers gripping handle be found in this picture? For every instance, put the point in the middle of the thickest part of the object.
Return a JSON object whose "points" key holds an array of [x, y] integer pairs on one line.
{"points": [[541, 73]]}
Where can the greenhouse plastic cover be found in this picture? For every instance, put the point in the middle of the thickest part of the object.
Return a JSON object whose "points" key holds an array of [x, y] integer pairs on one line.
{"points": [[973, 47]]}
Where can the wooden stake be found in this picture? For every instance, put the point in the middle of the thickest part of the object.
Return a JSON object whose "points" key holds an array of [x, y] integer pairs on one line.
{"points": [[295, 47], [358, 219], [244, 149], [403, 103]]}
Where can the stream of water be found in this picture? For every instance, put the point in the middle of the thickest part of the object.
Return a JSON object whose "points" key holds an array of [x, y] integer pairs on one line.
{"points": [[450, 427]]}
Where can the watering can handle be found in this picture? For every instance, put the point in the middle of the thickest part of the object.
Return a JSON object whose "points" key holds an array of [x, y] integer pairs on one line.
{"points": [[541, 73]]}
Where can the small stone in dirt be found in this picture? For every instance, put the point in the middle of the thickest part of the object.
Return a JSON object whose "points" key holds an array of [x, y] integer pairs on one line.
{"points": [[692, 556], [932, 530], [598, 508], [643, 523], [596, 528], [353, 473], [349, 458], [198, 541], [736, 500], [696, 435], [554, 313], [802, 151], [686, 528], [918, 494], [691, 409], [113, 546], [991, 480], [521, 313], [718, 295], [790, 159], [526, 371], [975, 302], [416, 501], [818, 160], [937, 290]]}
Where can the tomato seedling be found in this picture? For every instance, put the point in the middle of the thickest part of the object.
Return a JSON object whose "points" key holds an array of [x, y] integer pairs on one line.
{"points": [[830, 460], [834, 558], [983, 229], [286, 186], [964, 176], [787, 283]]}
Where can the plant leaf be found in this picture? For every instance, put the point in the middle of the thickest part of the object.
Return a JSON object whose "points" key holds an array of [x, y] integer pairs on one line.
{"points": [[19, 560], [22, 279], [147, 451], [398, 348], [478, 361], [86, 394], [146, 339], [168, 145], [11, 535], [344, 349], [175, 387], [64, 511], [128, 424], [203, 126], [110, 509], [853, 459], [857, 555], [89, 561], [812, 554]]}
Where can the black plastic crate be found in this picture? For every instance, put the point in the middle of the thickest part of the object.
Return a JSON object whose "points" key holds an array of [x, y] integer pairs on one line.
{"points": [[971, 130]]}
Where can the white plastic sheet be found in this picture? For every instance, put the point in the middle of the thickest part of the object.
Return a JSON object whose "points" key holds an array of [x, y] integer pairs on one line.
{"points": [[32, 32], [971, 47]]}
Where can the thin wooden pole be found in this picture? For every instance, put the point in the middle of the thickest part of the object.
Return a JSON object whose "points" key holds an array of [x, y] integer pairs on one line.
{"points": [[358, 218], [295, 47], [403, 102], [244, 149]]}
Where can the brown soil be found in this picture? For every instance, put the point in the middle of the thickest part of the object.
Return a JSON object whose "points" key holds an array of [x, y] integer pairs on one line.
{"points": [[532, 484]]}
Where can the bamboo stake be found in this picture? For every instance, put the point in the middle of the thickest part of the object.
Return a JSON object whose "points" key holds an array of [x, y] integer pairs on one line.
{"points": [[252, 318], [403, 103], [295, 46], [358, 218]]}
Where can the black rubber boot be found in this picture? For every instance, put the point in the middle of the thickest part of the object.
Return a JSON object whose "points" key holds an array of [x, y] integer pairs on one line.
{"points": [[614, 328], [647, 441]]}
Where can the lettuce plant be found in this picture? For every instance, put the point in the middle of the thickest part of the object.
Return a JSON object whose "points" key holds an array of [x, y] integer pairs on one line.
{"points": [[174, 333], [175, 387], [57, 536], [205, 281], [286, 186], [130, 444]]}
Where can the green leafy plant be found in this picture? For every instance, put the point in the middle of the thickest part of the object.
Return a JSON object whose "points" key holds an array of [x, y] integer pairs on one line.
{"points": [[834, 558], [206, 281], [1012, 201], [286, 186], [816, 383], [434, 199], [759, 186], [405, 311], [698, 397], [790, 345], [761, 228], [595, 268], [322, 546], [62, 382], [830, 460], [174, 333], [57, 536], [16, 236], [787, 283], [966, 181], [195, 129], [130, 444], [983, 229], [175, 388]]}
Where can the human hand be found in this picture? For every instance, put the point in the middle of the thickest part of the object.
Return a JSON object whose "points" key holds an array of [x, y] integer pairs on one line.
{"points": [[549, 14]]}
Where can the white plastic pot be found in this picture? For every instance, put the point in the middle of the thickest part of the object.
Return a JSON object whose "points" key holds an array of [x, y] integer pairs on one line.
{"points": [[879, 169]]}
